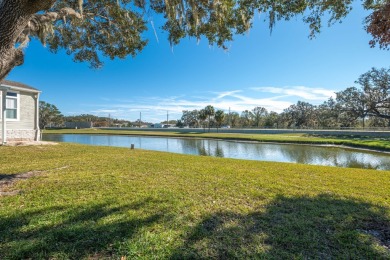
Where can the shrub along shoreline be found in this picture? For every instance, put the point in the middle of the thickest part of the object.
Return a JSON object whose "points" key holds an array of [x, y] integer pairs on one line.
{"points": [[381, 144]]}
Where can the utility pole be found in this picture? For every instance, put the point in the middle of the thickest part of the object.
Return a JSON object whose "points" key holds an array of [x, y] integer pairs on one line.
{"points": [[140, 119], [167, 118]]}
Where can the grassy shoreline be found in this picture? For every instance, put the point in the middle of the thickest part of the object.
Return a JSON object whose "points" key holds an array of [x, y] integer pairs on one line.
{"points": [[356, 141], [106, 202]]}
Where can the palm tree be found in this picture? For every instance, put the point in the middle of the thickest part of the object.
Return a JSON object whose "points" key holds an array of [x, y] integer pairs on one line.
{"points": [[209, 112], [202, 115], [219, 117]]}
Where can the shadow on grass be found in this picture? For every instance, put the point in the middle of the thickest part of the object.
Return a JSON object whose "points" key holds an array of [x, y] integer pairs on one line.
{"points": [[7, 177], [19, 176], [289, 228], [322, 227], [73, 232]]}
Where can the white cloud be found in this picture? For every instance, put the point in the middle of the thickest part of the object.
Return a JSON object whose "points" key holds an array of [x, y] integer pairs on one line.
{"points": [[226, 93], [316, 94], [154, 109]]}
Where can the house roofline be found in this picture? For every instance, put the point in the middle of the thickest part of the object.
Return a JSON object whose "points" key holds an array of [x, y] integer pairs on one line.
{"points": [[19, 86]]}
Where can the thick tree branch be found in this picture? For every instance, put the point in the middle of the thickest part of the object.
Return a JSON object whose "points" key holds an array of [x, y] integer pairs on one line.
{"points": [[13, 58], [39, 22], [14, 18]]}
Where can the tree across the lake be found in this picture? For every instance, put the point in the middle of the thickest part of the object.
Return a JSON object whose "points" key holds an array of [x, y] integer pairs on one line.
{"points": [[362, 106]]}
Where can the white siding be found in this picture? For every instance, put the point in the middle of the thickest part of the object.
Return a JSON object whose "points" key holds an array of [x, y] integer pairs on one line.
{"points": [[27, 113], [23, 129]]}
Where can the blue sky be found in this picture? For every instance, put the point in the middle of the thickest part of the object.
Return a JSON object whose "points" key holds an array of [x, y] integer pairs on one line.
{"points": [[260, 69]]}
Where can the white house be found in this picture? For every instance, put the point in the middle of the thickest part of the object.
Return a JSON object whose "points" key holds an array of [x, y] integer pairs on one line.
{"points": [[19, 105]]}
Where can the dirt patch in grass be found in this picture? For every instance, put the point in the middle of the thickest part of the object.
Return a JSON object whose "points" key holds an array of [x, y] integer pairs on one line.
{"points": [[8, 180]]}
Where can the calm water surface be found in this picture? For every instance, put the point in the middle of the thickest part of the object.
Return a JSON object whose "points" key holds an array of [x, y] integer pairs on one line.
{"points": [[330, 156]]}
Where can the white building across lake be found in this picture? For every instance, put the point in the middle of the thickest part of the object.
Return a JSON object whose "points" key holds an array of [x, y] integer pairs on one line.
{"points": [[19, 105]]}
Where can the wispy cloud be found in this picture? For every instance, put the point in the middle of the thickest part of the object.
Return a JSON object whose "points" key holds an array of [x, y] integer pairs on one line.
{"points": [[221, 95], [299, 91], [155, 109]]}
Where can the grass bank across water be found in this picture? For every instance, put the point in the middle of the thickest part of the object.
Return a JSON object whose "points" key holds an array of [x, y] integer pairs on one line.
{"points": [[106, 202], [356, 141]]}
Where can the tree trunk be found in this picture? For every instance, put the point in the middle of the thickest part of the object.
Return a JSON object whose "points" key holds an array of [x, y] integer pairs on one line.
{"points": [[14, 17]]}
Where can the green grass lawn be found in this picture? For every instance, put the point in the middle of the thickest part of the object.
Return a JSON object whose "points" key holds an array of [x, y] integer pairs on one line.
{"points": [[96, 202], [375, 143]]}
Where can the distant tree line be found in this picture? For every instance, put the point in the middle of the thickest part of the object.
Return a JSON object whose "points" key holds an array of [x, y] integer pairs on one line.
{"points": [[367, 105], [102, 121], [50, 116]]}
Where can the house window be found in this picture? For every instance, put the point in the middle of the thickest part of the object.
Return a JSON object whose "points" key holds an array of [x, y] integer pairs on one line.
{"points": [[12, 105]]}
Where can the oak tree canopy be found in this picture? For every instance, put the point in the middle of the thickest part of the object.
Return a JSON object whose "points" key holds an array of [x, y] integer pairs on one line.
{"points": [[90, 29]]}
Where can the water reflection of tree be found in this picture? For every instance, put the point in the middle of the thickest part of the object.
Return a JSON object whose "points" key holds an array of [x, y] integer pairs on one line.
{"points": [[256, 151], [216, 151], [253, 151], [202, 151], [219, 151], [53, 137], [326, 156], [366, 165], [191, 146], [196, 146], [302, 154]]}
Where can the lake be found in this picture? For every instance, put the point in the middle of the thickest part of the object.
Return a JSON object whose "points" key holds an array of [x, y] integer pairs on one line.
{"points": [[305, 154]]}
